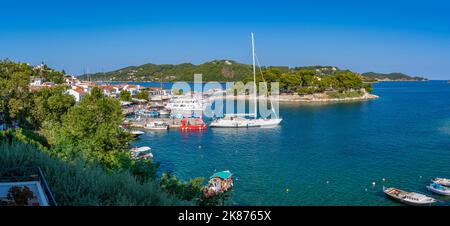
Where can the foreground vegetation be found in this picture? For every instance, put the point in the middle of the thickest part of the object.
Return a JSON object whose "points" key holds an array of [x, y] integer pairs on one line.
{"points": [[82, 137], [77, 184]]}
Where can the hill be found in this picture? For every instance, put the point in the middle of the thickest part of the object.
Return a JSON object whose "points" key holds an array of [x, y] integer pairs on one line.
{"points": [[372, 76], [220, 70], [216, 70]]}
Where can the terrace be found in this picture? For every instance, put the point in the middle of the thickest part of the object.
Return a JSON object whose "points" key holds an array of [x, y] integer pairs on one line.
{"points": [[32, 178]]}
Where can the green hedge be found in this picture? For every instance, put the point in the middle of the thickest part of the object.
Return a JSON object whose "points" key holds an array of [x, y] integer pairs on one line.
{"points": [[75, 184]]}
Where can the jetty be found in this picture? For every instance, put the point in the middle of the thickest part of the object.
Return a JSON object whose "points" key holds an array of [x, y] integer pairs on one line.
{"points": [[140, 123]]}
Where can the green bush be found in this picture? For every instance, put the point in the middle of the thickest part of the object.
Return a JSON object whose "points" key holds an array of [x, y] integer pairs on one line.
{"points": [[77, 184]]}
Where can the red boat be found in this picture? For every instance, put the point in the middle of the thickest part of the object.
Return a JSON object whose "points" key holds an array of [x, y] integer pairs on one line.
{"points": [[193, 124]]}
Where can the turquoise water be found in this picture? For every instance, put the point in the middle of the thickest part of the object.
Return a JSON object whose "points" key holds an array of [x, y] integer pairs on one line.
{"points": [[325, 154]]}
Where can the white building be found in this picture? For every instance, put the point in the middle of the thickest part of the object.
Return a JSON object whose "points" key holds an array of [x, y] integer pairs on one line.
{"points": [[36, 81], [77, 93]]}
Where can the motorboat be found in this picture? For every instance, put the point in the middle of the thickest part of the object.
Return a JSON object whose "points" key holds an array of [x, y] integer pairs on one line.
{"points": [[218, 183], [136, 133], [156, 125], [438, 189], [442, 181], [141, 153], [193, 124]]}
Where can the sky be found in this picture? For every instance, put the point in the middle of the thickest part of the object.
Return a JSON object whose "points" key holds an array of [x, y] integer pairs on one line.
{"points": [[95, 36]]}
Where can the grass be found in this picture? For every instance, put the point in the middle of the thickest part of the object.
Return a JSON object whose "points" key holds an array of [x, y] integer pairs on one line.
{"points": [[75, 184]]}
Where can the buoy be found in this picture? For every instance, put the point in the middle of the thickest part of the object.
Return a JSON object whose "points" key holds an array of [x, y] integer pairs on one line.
{"points": [[328, 182], [365, 189], [199, 147], [384, 179], [287, 189]]}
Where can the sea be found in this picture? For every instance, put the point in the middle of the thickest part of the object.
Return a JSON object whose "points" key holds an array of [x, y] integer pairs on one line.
{"points": [[323, 154]]}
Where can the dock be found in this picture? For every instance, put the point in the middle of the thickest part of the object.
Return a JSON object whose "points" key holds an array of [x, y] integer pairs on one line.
{"points": [[140, 123]]}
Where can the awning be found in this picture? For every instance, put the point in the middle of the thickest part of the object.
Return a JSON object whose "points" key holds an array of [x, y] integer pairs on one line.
{"points": [[222, 175]]}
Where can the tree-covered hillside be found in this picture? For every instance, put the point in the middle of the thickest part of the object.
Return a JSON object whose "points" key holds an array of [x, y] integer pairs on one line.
{"points": [[373, 76], [216, 70]]}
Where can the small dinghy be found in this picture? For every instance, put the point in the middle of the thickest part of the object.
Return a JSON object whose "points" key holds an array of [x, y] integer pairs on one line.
{"points": [[442, 181], [408, 198], [438, 189]]}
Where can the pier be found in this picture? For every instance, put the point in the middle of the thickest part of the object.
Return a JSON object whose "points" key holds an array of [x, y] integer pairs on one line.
{"points": [[140, 123]]}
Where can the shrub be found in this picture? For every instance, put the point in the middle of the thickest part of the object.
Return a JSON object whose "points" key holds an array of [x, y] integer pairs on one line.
{"points": [[79, 184]]}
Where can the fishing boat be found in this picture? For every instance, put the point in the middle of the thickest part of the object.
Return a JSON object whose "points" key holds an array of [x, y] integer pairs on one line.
{"points": [[193, 124], [441, 181], [408, 198], [141, 153], [218, 183], [156, 125], [438, 189], [247, 120]]}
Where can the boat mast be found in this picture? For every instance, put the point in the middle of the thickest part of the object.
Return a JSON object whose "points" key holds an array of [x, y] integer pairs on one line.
{"points": [[254, 76]]}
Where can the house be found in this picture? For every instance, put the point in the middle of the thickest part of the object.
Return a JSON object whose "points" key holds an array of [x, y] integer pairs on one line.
{"points": [[36, 81], [110, 91], [71, 80], [133, 89], [77, 93]]}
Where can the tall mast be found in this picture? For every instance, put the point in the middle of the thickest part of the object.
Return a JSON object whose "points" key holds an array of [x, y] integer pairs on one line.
{"points": [[254, 76]]}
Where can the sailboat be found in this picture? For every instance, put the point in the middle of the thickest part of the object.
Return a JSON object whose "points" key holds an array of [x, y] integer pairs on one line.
{"points": [[240, 120]]}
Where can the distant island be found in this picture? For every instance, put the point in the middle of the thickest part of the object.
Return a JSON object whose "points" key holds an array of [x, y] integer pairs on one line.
{"points": [[378, 77], [222, 71]]}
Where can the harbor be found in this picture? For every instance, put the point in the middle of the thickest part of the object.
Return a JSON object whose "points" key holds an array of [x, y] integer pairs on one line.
{"points": [[304, 161]]}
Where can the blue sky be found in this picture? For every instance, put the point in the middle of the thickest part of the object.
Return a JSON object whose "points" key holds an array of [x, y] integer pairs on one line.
{"points": [[383, 36]]}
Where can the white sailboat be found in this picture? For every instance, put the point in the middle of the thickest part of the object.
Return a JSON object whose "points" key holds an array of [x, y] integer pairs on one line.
{"points": [[239, 120]]}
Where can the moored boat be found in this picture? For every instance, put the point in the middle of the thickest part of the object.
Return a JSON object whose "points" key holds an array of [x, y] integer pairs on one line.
{"points": [[218, 183], [438, 189], [236, 121], [141, 153], [156, 125], [441, 181], [408, 198], [193, 124], [147, 113], [136, 133]]}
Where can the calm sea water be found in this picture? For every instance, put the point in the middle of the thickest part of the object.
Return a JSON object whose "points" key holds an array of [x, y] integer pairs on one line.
{"points": [[324, 154]]}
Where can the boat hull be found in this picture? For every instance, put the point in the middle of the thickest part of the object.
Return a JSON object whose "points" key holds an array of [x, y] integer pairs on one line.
{"points": [[246, 123], [407, 201], [442, 181], [437, 191]]}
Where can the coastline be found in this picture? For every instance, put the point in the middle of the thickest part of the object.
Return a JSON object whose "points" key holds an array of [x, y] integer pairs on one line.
{"points": [[295, 98]]}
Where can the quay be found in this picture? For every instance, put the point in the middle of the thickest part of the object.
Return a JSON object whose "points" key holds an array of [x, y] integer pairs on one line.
{"points": [[140, 123]]}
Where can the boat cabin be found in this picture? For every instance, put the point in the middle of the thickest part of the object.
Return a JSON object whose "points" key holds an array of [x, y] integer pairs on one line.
{"points": [[218, 183]]}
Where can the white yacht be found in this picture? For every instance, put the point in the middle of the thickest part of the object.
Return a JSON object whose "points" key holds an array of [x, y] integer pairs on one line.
{"points": [[242, 120]]}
